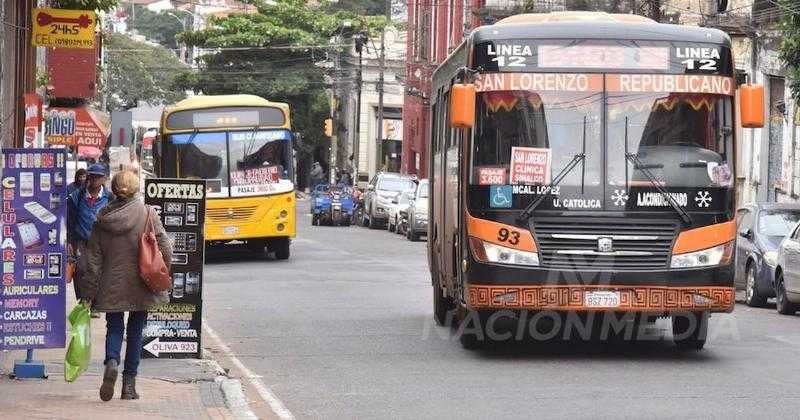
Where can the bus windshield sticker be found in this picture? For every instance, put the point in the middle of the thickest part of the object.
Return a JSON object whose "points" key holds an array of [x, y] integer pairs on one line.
{"points": [[263, 135], [603, 56], [490, 175], [530, 165], [500, 197], [256, 176], [647, 83], [562, 82]]}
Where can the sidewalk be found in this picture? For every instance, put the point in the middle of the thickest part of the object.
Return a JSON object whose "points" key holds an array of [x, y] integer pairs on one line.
{"points": [[169, 389]]}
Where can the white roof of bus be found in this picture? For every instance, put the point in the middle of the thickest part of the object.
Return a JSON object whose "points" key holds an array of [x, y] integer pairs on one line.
{"points": [[574, 16]]}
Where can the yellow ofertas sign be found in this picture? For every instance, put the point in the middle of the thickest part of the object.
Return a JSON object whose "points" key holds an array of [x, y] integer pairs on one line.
{"points": [[61, 28]]}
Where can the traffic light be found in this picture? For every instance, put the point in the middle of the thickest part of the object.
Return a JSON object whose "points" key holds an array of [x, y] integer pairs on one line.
{"points": [[329, 127]]}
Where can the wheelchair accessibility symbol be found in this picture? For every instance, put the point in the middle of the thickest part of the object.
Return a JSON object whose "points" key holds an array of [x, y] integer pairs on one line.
{"points": [[500, 196]]}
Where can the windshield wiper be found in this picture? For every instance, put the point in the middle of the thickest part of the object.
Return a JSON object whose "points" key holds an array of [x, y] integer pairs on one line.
{"points": [[638, 164], [578, 158]]}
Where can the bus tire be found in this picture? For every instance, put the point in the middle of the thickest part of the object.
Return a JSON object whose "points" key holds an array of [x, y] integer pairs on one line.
{"points": [[281, 248], [472, 329], [441, 305], [689, 330]]}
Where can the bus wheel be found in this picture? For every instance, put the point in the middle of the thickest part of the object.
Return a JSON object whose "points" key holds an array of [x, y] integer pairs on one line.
{"points": [[441, 306], [472, 329], [689, 330], [281, 248]]}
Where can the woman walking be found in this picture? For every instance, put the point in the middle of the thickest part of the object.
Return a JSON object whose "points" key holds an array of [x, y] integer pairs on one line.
{"points": [[112, 281]]}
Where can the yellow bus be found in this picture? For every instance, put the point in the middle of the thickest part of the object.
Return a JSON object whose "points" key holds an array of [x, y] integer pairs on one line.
{"points": [[242, 146]]}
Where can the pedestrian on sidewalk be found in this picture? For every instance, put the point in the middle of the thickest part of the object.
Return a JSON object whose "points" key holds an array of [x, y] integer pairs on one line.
{"points": [[78, 183], [112, 281], [83, 205]]}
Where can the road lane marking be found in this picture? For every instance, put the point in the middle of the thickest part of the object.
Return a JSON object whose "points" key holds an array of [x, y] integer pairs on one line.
{"points": [[264, 392]]}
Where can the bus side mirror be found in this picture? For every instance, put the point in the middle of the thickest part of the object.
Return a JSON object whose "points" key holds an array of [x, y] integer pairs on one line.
{"points": [[462, 106], [751, 105]]}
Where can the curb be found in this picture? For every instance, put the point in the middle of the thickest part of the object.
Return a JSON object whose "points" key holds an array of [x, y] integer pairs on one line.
{"points": [[232, 393]]}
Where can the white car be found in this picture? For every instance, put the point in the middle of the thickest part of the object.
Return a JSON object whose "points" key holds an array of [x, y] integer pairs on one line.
{"points": [[399, 205], [418, 213], [787, 274]]}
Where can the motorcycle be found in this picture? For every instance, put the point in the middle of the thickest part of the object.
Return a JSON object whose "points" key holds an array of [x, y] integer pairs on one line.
{"points": [[332, 206]]}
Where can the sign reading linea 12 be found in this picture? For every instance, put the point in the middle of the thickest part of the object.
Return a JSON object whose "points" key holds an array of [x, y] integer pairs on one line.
{"points": [[62, 28]]}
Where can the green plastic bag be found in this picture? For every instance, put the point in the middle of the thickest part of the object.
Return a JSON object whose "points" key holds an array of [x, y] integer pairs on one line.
{"points": [[79, 352]]}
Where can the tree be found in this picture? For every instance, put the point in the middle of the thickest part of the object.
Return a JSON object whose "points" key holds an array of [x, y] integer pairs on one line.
{"points": [[139, 71], [790, 47], [275, 53], [100, 5], [161, 27]]}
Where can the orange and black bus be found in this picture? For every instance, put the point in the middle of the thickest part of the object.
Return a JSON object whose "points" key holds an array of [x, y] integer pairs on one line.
{"points": [[584, 163]]}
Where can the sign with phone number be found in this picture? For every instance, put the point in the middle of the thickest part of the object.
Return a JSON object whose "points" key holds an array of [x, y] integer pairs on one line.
{"points": [[62, 28]]}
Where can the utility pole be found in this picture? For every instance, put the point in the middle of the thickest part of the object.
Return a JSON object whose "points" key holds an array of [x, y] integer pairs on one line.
{"points": [[360, 41], [380, 89]]}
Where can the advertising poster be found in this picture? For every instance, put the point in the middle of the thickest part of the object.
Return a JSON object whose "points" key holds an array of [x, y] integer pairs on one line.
{"points": [[32, 302], [33, 118], [73, 126], [530, 165], [173, 330], [62, 28]]}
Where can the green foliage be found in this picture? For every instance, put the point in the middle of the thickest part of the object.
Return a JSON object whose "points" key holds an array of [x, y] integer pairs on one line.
{"points": [[160, 27], [138, 71], [790, 48], [99, 5], [275, 53]]}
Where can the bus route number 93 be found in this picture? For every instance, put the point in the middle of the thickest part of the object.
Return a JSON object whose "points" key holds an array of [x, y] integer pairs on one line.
{"points": [[509, 236]]}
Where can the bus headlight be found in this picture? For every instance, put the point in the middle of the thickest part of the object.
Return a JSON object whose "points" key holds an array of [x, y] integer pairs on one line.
{"points": [[717, 255], [491, 253]]}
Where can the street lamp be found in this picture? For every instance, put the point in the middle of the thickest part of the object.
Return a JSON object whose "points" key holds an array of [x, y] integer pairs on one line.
{"points": [[183, 44]]}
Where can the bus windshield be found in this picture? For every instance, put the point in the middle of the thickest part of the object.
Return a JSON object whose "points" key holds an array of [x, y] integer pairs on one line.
{"points": [[236, 163], [557, 125], [678, 138]]}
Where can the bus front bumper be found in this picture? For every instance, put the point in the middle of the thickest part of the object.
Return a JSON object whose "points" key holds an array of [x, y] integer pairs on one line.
{"points": [[616, 298]]}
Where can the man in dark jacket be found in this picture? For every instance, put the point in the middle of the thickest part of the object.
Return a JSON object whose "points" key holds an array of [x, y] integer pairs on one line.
{"points": [[82, 208]]}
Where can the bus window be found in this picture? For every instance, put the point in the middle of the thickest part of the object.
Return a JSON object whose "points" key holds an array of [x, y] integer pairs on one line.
{"points": [[675, 136], [550, 120], [202, 156], [265, 149]]}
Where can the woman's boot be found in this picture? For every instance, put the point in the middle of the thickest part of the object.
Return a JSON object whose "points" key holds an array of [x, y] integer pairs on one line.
{"points": [[129, 388], [109, 379]]}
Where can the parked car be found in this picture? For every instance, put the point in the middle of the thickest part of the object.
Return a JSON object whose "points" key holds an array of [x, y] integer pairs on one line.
{"points": [[762, 227], [383, 187], [399, 207], [417, 224], [787, 274]]}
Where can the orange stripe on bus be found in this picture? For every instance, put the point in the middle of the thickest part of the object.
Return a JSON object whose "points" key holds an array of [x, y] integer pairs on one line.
{"points": [[705, 237], [489, 231]]}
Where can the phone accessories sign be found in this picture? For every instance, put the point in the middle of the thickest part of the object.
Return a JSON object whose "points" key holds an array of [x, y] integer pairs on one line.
{"points": [[61, 28], [173, 330], [32, 305]]}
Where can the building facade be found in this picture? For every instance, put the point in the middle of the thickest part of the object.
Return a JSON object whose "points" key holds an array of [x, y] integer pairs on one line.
{"points": [[360, 138], [435, 29]]}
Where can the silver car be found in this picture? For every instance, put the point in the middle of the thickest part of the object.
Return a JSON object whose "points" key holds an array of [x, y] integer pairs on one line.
{"points": [[381, 190], [418, 213], [787, 274]]}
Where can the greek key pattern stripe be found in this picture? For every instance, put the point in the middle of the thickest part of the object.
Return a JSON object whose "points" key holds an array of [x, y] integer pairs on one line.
{"points": [[632, 298]]}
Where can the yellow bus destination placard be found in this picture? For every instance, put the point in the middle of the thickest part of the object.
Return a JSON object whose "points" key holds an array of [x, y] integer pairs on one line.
{"points": [[61, 28]]}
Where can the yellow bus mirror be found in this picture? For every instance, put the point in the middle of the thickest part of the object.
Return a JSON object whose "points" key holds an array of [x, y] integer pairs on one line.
{"points": [[462, 106], [751, 105]]}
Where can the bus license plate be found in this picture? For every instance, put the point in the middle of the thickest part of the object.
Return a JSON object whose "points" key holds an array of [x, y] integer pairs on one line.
{"points": [[230, 230], [601, 299]]}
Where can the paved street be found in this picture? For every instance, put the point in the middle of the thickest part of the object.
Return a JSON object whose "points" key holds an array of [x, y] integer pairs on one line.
{"points": [[344, 329]]}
